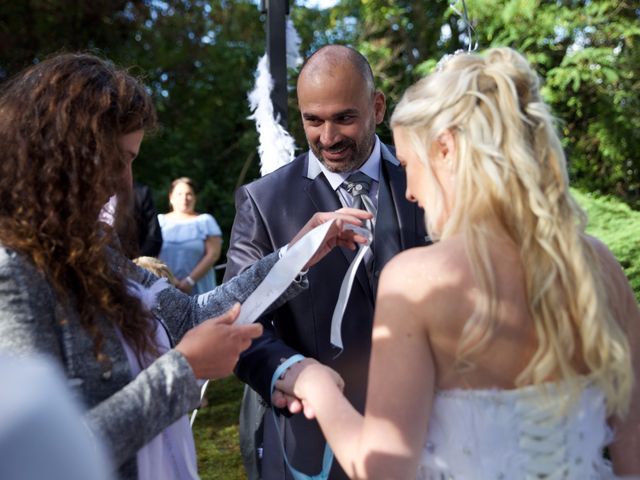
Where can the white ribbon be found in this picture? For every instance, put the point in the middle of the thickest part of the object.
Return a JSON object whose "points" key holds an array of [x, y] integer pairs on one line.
{"points": [[343, 296], [289, 266], [282, 274]]}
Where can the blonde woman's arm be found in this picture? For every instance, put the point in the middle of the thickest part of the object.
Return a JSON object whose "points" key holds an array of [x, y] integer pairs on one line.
{"points": [[625, 449], [387, 441], [626, 445]]}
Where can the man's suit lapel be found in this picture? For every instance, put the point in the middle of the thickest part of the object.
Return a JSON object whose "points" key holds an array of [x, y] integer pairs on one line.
{"points": [[387, 241], [322, 195], [403, 210]]}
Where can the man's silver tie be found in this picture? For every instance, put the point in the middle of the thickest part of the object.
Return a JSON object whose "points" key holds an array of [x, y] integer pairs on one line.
{"points": [[358, 185]]}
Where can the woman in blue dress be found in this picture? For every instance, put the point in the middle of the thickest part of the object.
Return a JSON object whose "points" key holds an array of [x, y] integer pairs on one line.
{"points": [[191, 242]]}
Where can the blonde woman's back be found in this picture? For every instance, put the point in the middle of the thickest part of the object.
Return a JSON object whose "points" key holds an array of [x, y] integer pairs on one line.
{"points": [[446, 267], [482, 423]]}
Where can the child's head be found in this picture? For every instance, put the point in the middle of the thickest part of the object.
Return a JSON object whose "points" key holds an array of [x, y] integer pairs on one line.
{"points": [[157, 267]]}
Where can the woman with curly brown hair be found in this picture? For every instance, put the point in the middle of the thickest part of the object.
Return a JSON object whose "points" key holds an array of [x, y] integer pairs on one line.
{"points": [[132, 346]]}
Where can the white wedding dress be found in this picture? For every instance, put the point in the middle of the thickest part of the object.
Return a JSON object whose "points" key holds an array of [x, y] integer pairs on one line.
{"points": [[516, 434]]}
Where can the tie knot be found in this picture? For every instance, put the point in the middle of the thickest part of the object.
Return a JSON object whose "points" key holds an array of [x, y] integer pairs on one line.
{"points": [[357, 184]]}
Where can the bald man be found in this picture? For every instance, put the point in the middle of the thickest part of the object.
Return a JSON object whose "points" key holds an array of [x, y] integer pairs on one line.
{"points": [[340, 110]]}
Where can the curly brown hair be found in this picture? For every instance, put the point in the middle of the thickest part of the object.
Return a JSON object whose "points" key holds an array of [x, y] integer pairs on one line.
{"points": [[60, 122]]}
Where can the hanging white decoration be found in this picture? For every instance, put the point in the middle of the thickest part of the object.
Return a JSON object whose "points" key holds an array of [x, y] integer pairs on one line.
{"points": [[276, 146]]}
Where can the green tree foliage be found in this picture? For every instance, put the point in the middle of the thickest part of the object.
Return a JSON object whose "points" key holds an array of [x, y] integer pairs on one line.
{"points": [[199, 58], [32, 29], [588, 54], [196, 56]]}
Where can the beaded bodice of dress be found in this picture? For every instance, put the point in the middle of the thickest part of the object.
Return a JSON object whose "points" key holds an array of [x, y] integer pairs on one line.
{"points": [[516, 434]]}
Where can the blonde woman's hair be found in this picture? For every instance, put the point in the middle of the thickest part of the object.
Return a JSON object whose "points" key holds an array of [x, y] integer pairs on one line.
{"points": [[510, 167]]}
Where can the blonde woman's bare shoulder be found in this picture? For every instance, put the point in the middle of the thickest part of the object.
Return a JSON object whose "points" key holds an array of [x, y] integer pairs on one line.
{"points": [[438, 274], [609, 264], [444, 257], [619, 292]]}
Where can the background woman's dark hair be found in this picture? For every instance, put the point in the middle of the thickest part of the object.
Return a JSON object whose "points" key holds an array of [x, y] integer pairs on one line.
{"points": [[60, 122], [186, 181], [178, 181]]}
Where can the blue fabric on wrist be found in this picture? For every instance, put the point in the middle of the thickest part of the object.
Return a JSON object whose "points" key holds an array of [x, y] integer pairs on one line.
{"points": [[327, 458]]}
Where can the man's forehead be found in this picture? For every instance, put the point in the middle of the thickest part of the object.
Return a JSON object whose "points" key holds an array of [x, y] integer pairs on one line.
{"points": [[333, 93], [332, 110]]}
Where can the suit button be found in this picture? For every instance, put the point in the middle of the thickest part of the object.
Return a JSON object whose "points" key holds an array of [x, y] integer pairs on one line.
{"points": [[377, 273]]}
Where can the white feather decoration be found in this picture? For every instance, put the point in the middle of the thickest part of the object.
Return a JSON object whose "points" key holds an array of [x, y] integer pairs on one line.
{"points": [[276, 146]]}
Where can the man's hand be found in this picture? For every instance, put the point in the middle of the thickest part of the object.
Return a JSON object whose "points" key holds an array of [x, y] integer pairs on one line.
{"points": [[337, 236], [291, 387]]}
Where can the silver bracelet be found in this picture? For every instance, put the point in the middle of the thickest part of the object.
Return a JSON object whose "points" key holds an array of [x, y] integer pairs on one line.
{"points": [[189, 280]]}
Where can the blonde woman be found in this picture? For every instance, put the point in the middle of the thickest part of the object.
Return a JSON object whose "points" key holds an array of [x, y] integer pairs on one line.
{"points": [[509, 349]]}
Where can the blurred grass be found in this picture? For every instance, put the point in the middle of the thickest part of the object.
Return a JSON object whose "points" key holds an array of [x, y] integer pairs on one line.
{"points": [[216, 426], [216, 432]]}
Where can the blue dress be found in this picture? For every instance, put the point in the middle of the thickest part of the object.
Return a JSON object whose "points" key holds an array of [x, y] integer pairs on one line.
{"points": [[183, 247]]}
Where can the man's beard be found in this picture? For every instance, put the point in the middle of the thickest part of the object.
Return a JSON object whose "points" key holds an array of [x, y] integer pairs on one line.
{"points": [[357, 158]]}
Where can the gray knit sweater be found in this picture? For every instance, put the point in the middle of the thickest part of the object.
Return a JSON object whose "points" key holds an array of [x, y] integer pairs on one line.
{"points": [[124, 413]]}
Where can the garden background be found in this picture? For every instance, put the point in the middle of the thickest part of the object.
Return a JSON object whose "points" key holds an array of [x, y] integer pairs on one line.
{"points": [[198, 60]]}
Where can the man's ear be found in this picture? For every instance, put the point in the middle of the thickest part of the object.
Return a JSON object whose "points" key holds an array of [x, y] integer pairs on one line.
{"points": [[379, 106]]}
